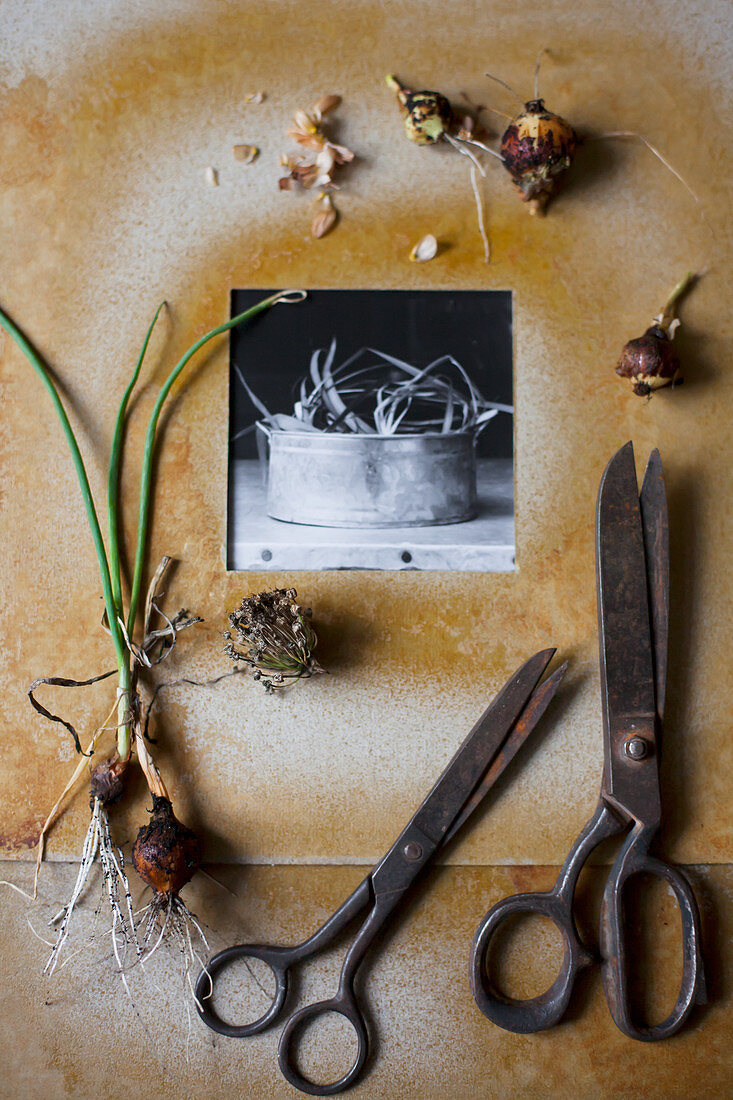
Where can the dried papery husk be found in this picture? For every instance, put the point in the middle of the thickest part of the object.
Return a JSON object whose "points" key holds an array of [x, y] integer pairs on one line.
{"points": [[245, 153], [537, 147], [107, 781], [325, 217], [425, 249], [166, 853], [428, 115], [325, 104]]}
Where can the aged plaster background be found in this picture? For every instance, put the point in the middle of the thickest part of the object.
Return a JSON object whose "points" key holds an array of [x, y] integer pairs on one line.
{"points": [[110, 114]]}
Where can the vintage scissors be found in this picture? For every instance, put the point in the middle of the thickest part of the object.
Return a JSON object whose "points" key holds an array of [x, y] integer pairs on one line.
{"points": [[632, 560], [477, 764]]}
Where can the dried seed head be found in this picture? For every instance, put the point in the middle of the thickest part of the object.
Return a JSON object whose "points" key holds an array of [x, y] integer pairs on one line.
{"points": [[166, 853], [649, 362], [537, 147], [428, 115], [272, 634]]}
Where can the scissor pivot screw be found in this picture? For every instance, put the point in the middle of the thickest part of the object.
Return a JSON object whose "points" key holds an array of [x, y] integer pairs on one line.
{"points": [[637, 748], [412, 851]]}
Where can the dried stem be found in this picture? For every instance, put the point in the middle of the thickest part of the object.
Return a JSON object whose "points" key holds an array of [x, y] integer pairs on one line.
{"points": [[480, 215], [505, 85], [652, 149], [476, 166], [543, 51], [54, 814]]}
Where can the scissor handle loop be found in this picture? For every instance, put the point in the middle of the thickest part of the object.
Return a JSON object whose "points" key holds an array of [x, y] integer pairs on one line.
{"points": [[634, 859], [538, 1013], [344, 1003], [279, 959], [535, 1013]]}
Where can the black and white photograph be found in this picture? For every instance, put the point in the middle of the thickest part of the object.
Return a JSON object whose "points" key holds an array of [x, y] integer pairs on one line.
{"points": [[373, 429]]}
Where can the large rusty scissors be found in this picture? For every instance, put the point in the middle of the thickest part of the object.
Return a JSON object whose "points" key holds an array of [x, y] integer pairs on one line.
{"points": [[478, 763], [632, 569]]}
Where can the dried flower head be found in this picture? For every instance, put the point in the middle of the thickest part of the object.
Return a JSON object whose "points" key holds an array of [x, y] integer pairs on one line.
{"points": [[316, 166], [273, 635], [316, 169]]}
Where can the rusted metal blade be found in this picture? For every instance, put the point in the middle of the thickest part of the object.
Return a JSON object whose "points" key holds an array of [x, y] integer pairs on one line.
{"points": [[627, 663], [447, 798], [524, 725], [655, 525]]}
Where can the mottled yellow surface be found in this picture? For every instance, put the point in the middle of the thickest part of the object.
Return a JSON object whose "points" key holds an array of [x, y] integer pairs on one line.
{"points": [[429, 1038], [110, 115]]}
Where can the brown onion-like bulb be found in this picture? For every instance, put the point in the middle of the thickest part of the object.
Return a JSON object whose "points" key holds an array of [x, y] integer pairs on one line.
{"points": [[649, 362], [166, 853], [537, 147]]}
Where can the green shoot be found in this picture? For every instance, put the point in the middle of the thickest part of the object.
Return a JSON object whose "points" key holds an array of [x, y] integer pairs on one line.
{"points": [[147, 467], [113, 482]]}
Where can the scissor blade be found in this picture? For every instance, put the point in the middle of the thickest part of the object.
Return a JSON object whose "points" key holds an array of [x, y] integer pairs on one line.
{"points": [[449, 795], [655, 524], [524, 725], [627, 663]]}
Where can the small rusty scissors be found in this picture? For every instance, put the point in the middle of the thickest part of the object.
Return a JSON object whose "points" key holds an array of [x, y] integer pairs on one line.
{"points": [[477, 764], [632, 563]]}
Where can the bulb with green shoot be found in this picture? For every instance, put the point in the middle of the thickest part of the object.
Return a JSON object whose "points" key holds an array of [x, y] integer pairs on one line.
{"points": [[428, 115], [136, 645], [430, 119]]}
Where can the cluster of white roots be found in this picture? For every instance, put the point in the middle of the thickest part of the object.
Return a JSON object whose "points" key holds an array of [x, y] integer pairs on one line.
{"points": [[135, 935], [98, 842], [167, 919]]}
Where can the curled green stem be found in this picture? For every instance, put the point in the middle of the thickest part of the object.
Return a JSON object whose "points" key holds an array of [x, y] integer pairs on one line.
{"points": [[148, 454]]}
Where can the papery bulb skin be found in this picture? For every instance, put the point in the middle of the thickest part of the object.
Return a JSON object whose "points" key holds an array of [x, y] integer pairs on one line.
{"points": [[107, 781], [649, 362], [537, 148]]}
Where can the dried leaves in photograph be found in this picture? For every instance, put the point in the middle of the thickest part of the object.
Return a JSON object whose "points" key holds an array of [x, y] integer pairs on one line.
{"points": [[373, 393]]}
